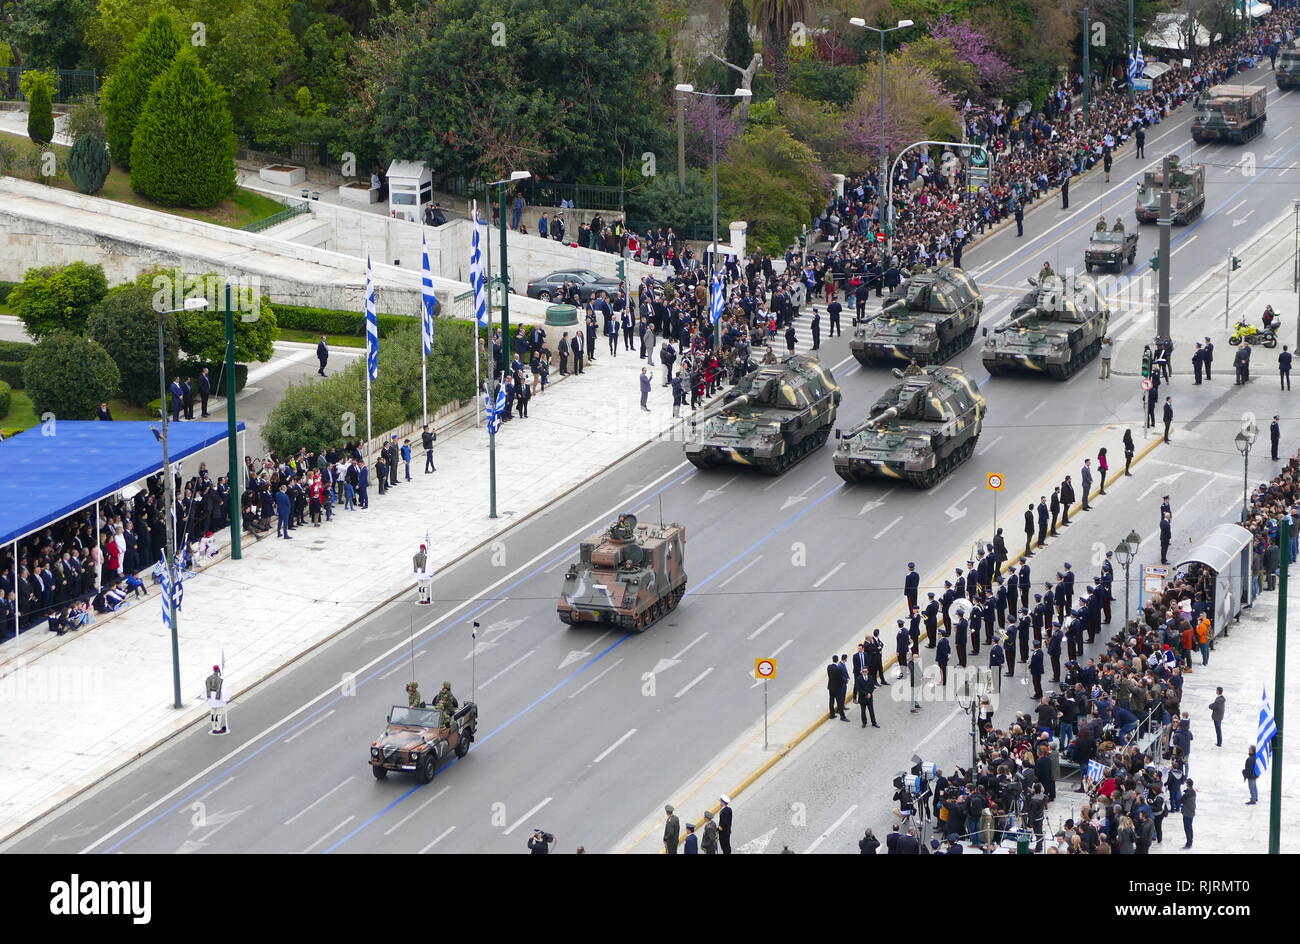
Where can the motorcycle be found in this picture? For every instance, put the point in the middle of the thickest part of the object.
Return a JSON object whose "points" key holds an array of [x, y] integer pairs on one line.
{"points": [[1248, 333]]}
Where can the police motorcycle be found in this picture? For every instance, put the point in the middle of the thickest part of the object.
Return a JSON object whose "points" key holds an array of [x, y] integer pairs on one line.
{"points": [[1248, 333]]}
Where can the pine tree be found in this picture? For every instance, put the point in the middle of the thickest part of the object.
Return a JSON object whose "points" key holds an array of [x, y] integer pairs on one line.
{"points": [[183, 153], [127, 89], [40, 114], [740, 48], [88, 163]]}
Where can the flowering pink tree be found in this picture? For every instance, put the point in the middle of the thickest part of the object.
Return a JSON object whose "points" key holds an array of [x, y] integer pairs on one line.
{"points": [[698, 134], [973, 46]]}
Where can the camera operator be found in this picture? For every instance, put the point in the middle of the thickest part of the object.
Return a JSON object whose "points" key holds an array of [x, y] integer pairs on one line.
{"points": [[540, 842]]}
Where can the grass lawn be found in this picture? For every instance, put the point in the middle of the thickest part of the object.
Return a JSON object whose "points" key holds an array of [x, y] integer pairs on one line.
{"points": [[23, 416], [311, 337], [237, 212]]}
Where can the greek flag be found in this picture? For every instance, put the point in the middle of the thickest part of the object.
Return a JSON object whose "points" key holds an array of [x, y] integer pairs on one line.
{"points": [[476, 270], [168, 593], [372, 326], [1096, 771], [1136, 64], [715, 305], [1264, 739], [430, 299], [495, 411]]}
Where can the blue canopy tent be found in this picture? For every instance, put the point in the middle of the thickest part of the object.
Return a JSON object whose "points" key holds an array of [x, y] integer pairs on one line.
{"points": [[47, 477]]}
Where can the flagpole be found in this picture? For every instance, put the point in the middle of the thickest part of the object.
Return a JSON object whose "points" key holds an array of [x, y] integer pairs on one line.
{"points": [[1279, 695]]}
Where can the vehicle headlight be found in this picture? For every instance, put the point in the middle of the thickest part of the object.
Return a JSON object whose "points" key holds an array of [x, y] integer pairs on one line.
{"points": [[376, 752]]}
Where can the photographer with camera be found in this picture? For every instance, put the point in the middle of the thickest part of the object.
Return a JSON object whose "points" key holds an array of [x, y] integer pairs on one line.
{"points": [[540, 842]]}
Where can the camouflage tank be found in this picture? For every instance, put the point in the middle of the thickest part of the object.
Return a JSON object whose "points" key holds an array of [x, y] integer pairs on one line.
{"points": [[771, 419], [927, 319], [918, 431], [1055, 329], [628, 575]]}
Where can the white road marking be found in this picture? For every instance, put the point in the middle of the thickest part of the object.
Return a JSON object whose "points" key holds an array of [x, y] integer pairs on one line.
{"points": [[307, 727], [755, 633], [520, 821], [398, 825], [688, 646], [830, 829], [1289, 167], [1237, 207], [397, 668], [328, 834], [1192, 468], [478, 617], [509, 667], [829, 574], [306, 809], [693, 682], [441, 836], [609, 750], [741, 571], [596, 679], [937, 728], [881, 532], [1041, 404], [1187, 242], [989, 446], [216, 788], [777, 651], [1233, 506]]}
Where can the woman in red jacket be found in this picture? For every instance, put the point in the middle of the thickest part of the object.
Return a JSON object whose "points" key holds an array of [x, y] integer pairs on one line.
{"points": [[1102, 466]]}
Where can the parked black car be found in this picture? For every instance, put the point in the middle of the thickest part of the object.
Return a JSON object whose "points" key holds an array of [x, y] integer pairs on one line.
{"points": [[588, 282]]}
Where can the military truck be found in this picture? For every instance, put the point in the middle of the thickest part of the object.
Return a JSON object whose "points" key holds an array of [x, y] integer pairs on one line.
{"points": [[628, 575], [1055, 329], [1233, 113], [918, 431], [927, 319], [1288, 69], [1111, 249], [416, 739], [772, 418], [1187, 199]]}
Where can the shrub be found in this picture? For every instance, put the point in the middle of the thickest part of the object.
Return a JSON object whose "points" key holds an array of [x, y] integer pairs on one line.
{"points": [[335, 320], [85, 118], [11, 372], [69, 376], [126, 324], [15, 350], [5, 289], [772, 181], [203, 332], [57, 298], [8, 159], [38, 89], [183, 147], [127, 89], [88, 164], [4, 399]]}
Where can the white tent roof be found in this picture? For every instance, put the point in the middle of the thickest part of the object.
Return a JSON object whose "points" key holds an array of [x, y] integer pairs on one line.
{"points": [[1155, 70], [408, 170], [1256, 10], [1218, 548], [1167, 32]]}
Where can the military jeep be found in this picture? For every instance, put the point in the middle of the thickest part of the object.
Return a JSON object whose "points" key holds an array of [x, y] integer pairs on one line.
{"points": [[415, 740]]}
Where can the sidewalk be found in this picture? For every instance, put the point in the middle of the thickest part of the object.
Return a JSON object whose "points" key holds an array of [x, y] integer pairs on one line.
{"points": [[281, 600]]}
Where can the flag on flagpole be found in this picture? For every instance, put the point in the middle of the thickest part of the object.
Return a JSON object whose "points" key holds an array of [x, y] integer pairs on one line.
{"points": [[715, 306], [1096, 771], [495, 410], [1264, 739], [169, 593], [372, 326], [476, 270], [430, 299]]}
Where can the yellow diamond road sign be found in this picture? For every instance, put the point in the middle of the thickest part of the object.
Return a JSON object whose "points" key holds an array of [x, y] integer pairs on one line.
{"points": [[764, 669], [995, 481]]}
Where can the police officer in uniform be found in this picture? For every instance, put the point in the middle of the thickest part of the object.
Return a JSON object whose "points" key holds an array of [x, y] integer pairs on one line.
{"points": [[911, 584], [931, 613], [1036, 670], [1054, 652], [948, 597]]}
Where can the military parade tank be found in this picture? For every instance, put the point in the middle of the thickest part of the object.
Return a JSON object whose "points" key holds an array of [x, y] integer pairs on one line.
{"points": [[628, 575], [918, 431], [771, 419], [927, 319], [1234, 113], [1055, 329], [1187, 199]]}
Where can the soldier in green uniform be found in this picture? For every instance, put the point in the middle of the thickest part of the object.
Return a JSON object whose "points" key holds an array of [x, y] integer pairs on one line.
{"points": [[446, 703], [918, 268], [413, 699], [770, 356], [1101, 224], [1045, 272], [1119, 225], [912, 368]]}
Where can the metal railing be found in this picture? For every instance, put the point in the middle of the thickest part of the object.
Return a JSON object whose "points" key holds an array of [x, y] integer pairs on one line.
{"points": [[539, 193], [288, 213], [72, 84]]}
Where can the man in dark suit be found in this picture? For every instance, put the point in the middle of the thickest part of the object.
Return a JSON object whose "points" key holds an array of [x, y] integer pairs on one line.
{"points": [[1024, 584], [864, 687], [1042, 519], [576, 347], [177, 396], [564, 354], [1166, 537], [205, 389], [912, 583], [1029, 531], [1020, 219], [1036, 670], [187, 395], [323, 355], [835, 688]]}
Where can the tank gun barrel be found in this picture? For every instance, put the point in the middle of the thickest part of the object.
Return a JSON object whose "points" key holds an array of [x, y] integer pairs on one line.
{"points": [[1012, 323], [741, 400], [881, 417]]}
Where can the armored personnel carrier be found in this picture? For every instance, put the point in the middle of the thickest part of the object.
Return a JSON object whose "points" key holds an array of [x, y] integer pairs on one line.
{"points": [[628, 575], [1187, 199], [1055, 329], [771, 419], [927, 319], [918, 431], [1233, 113]]}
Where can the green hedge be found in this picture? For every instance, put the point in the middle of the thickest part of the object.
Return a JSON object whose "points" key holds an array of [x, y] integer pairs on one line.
{"points": [[5, 289], [11, 372], [217, 373], [15, 350], [4, 399], [334, 321]]}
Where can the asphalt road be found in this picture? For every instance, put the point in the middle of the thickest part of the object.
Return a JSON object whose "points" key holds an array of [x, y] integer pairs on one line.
{"points": [[583, 731]]}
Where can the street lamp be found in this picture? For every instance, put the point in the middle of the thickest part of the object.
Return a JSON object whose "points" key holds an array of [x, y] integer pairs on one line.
{"points": [[1126, 551], [968, 700], [687, 89], [169, 493], [506, 345], [862, 24], [1244, 439]]}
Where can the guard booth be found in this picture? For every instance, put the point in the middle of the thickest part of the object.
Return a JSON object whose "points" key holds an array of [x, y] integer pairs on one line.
{"points": [[410, 187], [1226, 552]]}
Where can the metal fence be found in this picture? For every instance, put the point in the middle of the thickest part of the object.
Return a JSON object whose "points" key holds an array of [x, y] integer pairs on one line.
{"points": [[700, 233], [539, 193], [73, 83], [297, 209]]}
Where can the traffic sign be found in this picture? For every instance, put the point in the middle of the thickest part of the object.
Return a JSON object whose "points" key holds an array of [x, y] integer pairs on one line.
{"points": [[880, 237], [764, 669], [995, 481], [1146, 383]]}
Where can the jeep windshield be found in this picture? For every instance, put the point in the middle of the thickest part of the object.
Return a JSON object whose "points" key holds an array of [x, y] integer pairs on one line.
{"points": [[420, 717], [1108, 236]]}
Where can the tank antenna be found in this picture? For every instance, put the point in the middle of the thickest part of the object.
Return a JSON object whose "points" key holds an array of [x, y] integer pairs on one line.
{"points": [[661, 512], [473, 659]]}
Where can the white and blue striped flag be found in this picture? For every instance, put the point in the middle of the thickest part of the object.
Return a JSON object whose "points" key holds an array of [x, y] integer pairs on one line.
{"points": [[1264, 739], [168, 593], [476, 270], [495, 411], [430, 307], [372, 326], [716, 300], [1096, 771], [1136, 64]]}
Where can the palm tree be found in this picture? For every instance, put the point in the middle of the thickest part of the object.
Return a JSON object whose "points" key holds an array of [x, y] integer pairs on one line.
{"points": [[775, 19]]}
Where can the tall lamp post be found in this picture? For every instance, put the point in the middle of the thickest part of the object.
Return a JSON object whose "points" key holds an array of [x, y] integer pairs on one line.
{"points": [[169, 494], [1244, 439], [862, 24], [1126, 551], [687, 89], [507, 345], [969, 700]]}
